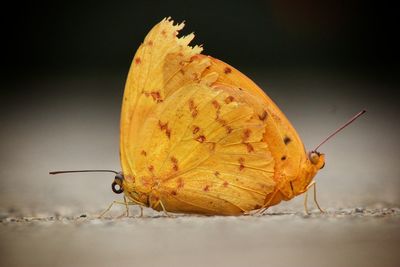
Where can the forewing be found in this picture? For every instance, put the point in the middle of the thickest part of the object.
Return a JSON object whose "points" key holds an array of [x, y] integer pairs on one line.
{"points": [[162, 64]]}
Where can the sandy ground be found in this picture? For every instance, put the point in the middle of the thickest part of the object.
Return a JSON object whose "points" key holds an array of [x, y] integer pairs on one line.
{"points": [[340, 237]]}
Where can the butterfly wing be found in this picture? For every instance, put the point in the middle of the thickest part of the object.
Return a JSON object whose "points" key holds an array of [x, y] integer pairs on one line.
{"points": [[154, 72], [232, 150], [283, 140], [202, 151]]}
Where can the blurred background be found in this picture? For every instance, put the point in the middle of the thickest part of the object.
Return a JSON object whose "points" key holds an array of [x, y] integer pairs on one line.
{"points": [[65, 65]]}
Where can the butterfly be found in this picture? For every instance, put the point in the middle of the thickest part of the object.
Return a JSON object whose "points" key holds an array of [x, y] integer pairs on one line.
{"points": [[198, 136]]}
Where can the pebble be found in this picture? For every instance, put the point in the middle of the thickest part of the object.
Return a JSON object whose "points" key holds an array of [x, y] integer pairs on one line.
{"points": [[359, 210]]}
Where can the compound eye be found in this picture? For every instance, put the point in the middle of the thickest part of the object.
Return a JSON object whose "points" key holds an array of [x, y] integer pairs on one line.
{"points": [[116, 187], [314, 157]]}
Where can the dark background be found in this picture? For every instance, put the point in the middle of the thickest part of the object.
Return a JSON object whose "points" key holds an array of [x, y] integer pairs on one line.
{"points": [[65, 66], [63, 37]]}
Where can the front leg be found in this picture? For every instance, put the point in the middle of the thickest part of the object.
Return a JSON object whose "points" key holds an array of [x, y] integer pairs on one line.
{"points": [[313, 183], [125, 203]]}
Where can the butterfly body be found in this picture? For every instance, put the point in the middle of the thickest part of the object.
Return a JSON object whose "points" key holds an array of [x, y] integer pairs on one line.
{"points": [[198, 136]]}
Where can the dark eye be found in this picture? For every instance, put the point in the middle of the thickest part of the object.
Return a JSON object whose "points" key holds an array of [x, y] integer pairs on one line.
{"points": [[117, 188], [314, 157]]}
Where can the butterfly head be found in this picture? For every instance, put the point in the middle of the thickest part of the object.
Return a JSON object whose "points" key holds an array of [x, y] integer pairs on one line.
{"points": [[316, 159], [126, 184], [117, 185]]}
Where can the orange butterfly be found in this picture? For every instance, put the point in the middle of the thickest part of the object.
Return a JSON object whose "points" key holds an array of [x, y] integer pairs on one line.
{"points": [[198, 136]]}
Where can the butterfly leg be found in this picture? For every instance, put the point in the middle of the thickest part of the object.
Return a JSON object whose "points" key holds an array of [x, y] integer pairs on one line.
{"points": [[261, 211], [125, 203], [126, 214], [312, 184], [159, 202], [165, 211], [110, 206], [141, 211]]}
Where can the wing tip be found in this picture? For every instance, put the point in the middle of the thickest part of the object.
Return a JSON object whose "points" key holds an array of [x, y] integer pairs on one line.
{"points": [[184, 40]]}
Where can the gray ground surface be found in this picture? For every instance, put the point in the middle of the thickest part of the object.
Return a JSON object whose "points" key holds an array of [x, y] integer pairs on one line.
{"points": [[339, 237], [73, 123]]}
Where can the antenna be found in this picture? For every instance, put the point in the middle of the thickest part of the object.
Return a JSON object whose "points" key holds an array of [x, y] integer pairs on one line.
{"points": [[59, 172], [341, 128]]}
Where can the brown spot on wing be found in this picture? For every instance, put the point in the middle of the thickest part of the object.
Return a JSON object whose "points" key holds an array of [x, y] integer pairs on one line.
{"points": [[150, 43], [229, 99], [143, 153], [174, 160], [225, 184], [191, 104], [216, 173], [283, 158], [156, 96], [151, 168], [241, 163], [201, 138], [216, 104], [164, 127], [246, 134], [174, 164], [206, 188], [249, 147], [138, 60], [196, 129], [287, 140], [228, 129], [227, 70], [174, 193], [193, 108], [263, 116]]}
